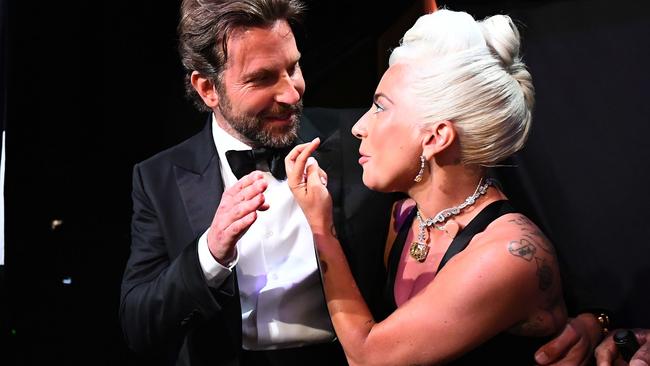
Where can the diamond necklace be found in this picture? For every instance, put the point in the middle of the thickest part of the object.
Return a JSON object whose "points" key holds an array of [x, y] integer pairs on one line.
{"points": [[419, 249]]}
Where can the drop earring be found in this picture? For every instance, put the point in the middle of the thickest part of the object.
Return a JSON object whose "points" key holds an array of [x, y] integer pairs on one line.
{"points": [[418, 178]]}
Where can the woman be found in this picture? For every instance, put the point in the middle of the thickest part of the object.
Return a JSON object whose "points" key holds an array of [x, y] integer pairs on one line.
{"points": [[455, 100]]}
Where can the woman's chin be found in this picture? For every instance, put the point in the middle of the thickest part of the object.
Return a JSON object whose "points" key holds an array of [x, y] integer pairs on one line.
{"points": [[371, 183]]}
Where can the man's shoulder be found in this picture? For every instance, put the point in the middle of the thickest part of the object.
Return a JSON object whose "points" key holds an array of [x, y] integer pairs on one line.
{"points": [[184, 153]]}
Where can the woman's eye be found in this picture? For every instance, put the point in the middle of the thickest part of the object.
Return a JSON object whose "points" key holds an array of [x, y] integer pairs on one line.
{"points": [[378, 108]]}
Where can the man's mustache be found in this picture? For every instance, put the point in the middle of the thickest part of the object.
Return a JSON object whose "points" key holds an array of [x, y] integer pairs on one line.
{"points": [[284, 109]]}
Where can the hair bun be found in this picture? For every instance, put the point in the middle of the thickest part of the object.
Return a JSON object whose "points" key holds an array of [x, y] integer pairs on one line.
{"points": [[503, 39]]}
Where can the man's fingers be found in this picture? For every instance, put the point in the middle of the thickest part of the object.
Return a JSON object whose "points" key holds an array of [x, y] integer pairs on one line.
{"points": [[252, 190], [606, 352], [642, 356], [236, 229], [241, 209], [558, 347], [243, 183]]}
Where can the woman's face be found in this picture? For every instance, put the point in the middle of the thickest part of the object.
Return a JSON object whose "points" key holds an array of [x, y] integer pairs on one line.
{"points": [[391, 141]]}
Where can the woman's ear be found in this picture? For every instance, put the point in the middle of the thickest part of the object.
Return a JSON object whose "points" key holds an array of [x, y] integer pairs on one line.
{"points": [[205, 88], [438, 139]]}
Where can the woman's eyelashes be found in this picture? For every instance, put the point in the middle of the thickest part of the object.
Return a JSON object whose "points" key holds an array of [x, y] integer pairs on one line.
{"points": [[378, 107]]}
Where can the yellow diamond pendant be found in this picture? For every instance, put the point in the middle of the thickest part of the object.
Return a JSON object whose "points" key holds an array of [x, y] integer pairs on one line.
{"points": [[419, 251]]}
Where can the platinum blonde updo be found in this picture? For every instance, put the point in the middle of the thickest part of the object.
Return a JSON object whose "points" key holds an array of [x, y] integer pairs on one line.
{"points": [[470, 72]]}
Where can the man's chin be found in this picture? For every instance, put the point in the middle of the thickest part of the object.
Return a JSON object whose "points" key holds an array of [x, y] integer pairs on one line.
{"points": [[279, 135]]}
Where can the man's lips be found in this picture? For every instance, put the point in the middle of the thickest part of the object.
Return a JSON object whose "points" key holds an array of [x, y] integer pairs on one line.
{"points": [[284, 117]]}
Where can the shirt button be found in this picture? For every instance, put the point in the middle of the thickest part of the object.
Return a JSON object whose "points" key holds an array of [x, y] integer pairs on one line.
{"points": [[269, 234]]}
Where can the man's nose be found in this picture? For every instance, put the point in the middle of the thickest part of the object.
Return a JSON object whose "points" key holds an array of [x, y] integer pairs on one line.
{"points": [[289, 91]]}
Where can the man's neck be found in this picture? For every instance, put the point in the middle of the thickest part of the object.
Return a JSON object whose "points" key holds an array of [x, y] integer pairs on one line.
{"points": [[225, 125]]}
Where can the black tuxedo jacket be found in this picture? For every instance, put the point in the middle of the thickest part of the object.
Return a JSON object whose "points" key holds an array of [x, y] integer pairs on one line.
{"points": [[167, 310]]}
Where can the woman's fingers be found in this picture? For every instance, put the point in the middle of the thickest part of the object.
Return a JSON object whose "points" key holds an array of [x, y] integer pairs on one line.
{"points": [[315, 175], [296, 161]]}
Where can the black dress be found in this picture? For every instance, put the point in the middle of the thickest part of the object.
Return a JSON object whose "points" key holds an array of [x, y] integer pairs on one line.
{"points": [[504, 348]]}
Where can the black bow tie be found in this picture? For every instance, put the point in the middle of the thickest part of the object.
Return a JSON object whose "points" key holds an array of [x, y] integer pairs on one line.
{"points": [[264, 158]]}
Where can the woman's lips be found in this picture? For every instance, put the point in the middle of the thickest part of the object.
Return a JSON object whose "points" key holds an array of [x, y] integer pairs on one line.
{"points": [[363, 159]]}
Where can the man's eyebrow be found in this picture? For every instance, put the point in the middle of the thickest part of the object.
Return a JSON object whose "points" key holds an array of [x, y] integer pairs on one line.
{"points": [[257, 74], [264, 71]]}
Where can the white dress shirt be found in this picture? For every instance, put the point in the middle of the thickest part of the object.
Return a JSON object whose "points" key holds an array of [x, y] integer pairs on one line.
{"points": [[277, 273]]}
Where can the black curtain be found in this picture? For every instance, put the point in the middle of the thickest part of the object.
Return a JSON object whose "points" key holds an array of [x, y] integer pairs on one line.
{"points": [[5, 329]]}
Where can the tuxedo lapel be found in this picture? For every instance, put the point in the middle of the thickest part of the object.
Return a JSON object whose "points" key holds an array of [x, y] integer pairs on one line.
{"points": [[198, 176]]}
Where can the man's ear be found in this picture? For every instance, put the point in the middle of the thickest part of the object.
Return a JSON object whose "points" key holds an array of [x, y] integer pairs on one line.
{"points": [[438, 139], [205, 88]]}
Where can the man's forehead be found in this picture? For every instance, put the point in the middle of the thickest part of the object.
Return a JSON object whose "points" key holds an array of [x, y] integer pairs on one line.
{"points": [[247, 45], [240, 33]]}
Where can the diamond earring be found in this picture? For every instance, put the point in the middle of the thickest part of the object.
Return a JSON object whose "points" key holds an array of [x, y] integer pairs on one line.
{"points": [[418, 178]]}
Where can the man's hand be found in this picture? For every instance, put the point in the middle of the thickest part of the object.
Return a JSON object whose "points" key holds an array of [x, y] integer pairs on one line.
{"points": [[574, 345], [607, 354], [237, 211]]}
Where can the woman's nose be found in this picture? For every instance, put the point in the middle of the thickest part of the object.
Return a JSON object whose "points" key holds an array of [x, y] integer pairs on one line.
{"points": [[359, 128]]}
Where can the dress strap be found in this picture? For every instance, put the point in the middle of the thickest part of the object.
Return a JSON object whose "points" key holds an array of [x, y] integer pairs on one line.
{"points": [[490, 213], [393, 262]]}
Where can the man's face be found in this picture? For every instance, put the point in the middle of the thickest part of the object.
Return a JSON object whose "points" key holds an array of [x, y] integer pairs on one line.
{"points": [[261, 87]]}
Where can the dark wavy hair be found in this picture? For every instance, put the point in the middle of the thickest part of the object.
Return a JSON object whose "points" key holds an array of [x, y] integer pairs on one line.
{"points": [[206, 25]]}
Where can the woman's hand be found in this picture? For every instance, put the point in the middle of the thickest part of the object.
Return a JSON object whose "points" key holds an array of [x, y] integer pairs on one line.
{"points": [[308, 183]]}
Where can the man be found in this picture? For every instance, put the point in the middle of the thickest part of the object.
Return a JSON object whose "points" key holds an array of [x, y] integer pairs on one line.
{"points": [[607, 353], [183, 299], [222, 268]]}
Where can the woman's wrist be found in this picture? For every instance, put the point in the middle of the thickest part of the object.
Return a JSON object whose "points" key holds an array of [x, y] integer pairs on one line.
{"points": [[324, 229]]}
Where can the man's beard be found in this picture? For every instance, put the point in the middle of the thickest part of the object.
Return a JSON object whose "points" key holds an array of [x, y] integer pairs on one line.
{"points": [[256, 131]]}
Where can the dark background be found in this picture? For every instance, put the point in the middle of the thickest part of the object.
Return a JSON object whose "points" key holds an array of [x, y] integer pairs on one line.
{"points": [[93, 87]]}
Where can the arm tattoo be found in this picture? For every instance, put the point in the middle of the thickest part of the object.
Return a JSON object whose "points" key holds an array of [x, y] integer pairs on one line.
{"points": [[526, 250], [523, 249], [323, 266], [545, 274], [333, 231], [532, 233]]}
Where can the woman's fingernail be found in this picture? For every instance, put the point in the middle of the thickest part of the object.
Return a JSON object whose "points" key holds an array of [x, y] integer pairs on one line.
{"points": [[323, 180], [541, 357]]}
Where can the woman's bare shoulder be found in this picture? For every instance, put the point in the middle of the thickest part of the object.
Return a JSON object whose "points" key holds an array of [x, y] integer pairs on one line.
{"points": [[523, 238], [516, 249]]}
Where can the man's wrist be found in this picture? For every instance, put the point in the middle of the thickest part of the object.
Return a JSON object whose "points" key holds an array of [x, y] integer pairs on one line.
{"points": [[229, 260], [215, 273], [225, 258]]}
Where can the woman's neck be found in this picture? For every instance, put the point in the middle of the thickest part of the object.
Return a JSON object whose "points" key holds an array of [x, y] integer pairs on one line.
{"points": [[445, 187]]}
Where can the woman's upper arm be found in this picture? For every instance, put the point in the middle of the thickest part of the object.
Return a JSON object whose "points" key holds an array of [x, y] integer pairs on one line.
{"points": [[479, 294]]}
